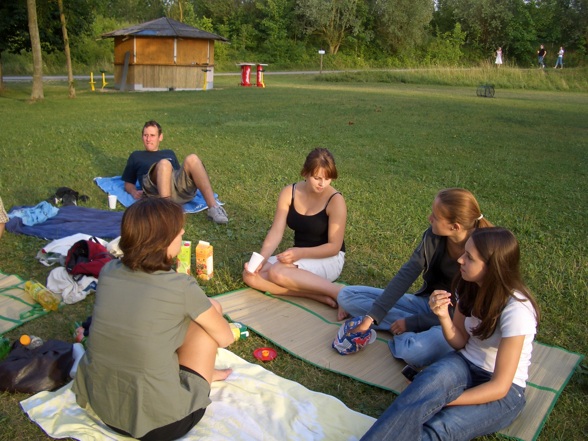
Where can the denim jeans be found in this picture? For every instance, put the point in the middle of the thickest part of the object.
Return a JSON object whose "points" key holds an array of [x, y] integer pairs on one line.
{"points": [[540, 61], [559, 62], [418, 413], [415, 348]]}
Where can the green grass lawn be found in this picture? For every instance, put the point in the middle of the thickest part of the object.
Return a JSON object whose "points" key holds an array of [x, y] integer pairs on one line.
{"points": [[524, 154]]}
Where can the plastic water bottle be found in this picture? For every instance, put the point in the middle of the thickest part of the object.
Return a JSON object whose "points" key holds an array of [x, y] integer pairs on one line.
{"points": [[30, 341], [48, 300], [4, 347]]}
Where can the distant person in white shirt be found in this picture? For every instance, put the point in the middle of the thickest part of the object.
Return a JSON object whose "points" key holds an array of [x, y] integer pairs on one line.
{"points": [[498, 57], [560, 55]]}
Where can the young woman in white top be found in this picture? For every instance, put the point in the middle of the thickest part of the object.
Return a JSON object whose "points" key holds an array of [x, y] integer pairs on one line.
{"points": [[480, 388]]}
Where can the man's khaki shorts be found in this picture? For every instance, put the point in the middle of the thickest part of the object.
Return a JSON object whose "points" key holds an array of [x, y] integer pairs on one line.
{"points": [[183, 188]]}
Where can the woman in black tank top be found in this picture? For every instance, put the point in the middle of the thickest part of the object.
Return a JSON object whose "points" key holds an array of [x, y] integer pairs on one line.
{"points": [[317, 214]]}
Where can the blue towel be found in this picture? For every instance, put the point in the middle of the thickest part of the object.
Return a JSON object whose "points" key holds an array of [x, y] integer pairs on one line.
{"points": [[71, 220], [115, 185], [34, 215]]}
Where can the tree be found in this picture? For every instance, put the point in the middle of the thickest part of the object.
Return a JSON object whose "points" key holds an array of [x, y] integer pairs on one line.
{"points": [[276, 21], [70, 79], [13, 24], [445, 48], [182, 11], [332, 20], [491, 23], [561, 22], [37, 92], [401, 24], [131, 11], [235, 20]]}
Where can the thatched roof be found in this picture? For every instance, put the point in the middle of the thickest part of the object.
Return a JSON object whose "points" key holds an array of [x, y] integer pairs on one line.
{"points": [[164, 27]]}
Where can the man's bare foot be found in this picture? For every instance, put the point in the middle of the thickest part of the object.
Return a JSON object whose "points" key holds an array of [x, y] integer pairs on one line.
{"points": [[342, 314], [221, 374]]}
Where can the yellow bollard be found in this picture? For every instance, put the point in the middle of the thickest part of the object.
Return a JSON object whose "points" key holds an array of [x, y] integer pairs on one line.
{"points": [[92, 82], [204, 82], [104, 83], [260, 72]]}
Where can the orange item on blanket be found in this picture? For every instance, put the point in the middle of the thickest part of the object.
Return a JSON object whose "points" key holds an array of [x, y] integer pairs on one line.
{"points": [[204, 262]]}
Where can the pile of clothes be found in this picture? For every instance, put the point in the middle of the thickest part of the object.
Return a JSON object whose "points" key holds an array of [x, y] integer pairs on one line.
{"points": [[74, 287]]}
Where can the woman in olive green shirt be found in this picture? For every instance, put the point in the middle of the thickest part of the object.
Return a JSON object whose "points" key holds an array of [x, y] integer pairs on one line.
{"points": [[154, 335]]}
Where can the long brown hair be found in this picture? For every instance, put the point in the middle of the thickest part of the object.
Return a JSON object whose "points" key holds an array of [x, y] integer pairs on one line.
{"points": [[499, 249], [459, 205], [148, 228], [319, 158]]}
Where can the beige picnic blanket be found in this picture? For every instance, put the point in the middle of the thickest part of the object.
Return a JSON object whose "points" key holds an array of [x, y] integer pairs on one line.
{"points": [[252, 404], [275, 318], [16, 305]]}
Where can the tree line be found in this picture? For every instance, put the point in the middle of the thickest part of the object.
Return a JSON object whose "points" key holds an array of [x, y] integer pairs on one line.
{"points": [[354, 33]]}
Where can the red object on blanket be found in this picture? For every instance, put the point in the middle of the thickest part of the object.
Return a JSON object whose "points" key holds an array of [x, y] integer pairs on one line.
{"points": [[86, 258], [265, 354]]}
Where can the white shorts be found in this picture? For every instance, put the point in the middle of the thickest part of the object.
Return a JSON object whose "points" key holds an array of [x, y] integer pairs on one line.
{"points": [[328, 268]]}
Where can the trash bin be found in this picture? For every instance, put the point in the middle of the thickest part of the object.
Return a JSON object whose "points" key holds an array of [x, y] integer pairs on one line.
{"points": [[246, 73], [485, 90]]}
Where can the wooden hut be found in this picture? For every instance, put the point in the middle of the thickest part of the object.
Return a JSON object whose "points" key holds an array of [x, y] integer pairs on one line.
{"points": [[163, 54]]}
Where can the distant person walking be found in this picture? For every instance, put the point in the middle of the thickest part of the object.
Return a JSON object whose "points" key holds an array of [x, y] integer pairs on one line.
{"points": [[498, 61], [541, 56], [560, 55]]}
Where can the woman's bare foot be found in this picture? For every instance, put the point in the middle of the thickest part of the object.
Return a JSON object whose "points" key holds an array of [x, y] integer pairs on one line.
{"points": [[341, 314], [221, 374], [328, 301]]}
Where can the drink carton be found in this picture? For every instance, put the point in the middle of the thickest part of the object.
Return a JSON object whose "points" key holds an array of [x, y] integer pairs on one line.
{"points": [[239, 330], [204, 263], [183, 262]]}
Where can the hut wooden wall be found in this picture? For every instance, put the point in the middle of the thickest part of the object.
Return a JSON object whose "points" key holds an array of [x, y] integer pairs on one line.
{"points": [[153, 65], [161, 51], [162, 77], [121, 47]]}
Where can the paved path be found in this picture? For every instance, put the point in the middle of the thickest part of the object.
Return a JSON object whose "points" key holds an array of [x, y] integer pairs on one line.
{"points": [[98, 78]]}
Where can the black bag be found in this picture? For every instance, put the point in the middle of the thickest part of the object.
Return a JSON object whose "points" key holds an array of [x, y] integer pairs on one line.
{"points": [[33, 370]]}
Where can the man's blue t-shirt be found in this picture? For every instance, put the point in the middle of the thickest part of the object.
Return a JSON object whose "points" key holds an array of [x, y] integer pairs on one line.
{"points": [[141, 161]]}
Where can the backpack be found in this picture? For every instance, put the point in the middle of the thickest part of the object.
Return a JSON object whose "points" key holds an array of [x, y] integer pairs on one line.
{"points": [[33, 370], [86, 258]]}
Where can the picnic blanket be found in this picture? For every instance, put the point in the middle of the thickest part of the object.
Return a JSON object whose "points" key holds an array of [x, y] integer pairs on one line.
{"points": [[71, 220], [252, 404], [274, 317], [115, 185], [16, 305]]}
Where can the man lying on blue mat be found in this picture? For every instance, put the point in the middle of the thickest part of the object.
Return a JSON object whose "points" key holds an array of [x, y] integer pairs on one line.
{"points": [[160, 174]]}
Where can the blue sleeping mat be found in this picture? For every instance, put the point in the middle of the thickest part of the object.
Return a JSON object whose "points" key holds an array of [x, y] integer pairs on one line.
{"points": [[71, 220]]}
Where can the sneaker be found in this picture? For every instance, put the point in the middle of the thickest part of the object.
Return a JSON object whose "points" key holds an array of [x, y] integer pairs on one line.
{"points": [[218, 215], [410, 372]]}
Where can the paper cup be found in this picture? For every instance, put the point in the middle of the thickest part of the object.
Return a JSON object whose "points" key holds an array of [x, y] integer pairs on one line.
{"points": [[112, 201], [254, 262]]}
